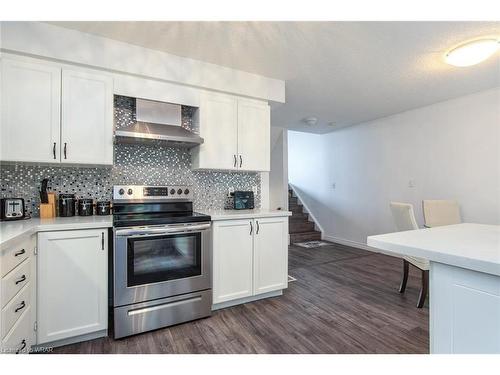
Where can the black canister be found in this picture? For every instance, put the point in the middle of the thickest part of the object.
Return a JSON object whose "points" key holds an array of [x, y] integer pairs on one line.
{"points": [[85, 207], [103, 208], [67, 205]]}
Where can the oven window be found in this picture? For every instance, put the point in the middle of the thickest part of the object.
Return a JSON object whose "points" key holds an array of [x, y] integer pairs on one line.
{"points": [[162, 258]]}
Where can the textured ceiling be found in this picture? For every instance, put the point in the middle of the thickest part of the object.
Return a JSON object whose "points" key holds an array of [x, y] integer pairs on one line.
{"points": [[340, 72]]}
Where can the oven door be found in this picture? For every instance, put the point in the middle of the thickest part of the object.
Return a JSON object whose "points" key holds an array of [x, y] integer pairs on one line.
{"points": [[160, 261]]}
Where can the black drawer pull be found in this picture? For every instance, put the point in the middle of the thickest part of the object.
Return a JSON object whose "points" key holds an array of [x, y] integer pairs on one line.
{"points": [[21, 279], [54, 150], [20, 252], [21, 306], [23, 346]]}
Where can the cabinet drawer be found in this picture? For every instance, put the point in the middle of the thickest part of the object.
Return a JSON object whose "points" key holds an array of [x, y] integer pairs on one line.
{"points": [[20, 338], [15, 281], [15, 254], [15, 309]]}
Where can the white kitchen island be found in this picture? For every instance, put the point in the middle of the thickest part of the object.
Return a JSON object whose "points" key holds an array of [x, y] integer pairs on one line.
{"points": [[464, 283]]}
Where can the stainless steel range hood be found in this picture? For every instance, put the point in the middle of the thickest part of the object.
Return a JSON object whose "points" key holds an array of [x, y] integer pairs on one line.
{"points": [[158, 122]]}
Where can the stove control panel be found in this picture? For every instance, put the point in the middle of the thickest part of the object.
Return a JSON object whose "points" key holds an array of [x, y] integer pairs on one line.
{"points": [[141, 192]]}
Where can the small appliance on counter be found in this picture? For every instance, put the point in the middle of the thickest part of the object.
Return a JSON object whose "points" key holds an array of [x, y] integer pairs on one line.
{"points": [[103, 208], [243, 200], [67, 205], [12, 209], [85, 207]]}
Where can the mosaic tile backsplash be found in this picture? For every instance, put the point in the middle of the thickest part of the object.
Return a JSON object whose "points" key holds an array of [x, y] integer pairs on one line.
{"points": [[134, 165]]}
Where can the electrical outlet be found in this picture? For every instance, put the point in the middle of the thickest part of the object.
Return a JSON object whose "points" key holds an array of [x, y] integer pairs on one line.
{"points": [[229, 191], [254, 189], [411, 183]]}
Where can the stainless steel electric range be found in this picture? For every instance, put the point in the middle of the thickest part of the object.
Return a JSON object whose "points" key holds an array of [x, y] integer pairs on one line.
{"points": [[161, 259]]}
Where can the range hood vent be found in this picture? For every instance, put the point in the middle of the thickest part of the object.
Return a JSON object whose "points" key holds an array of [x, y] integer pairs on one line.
{"points": [[158, 123]]}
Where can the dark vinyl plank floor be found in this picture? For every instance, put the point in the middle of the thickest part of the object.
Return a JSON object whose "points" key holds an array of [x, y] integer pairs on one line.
{"points": [[345, 300]]}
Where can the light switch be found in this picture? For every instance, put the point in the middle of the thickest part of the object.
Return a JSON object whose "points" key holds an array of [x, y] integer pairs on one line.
{"points": [[411, 183]]}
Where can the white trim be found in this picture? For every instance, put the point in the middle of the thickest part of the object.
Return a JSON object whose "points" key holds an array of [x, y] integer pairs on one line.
{"points": [[358, 245], [38, 39], [317, 226]]}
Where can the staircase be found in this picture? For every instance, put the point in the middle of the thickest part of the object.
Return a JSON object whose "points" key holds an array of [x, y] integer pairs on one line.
{"points": [[300, 228]]}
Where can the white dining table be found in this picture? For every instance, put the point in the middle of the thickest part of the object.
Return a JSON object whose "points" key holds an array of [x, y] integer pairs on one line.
{"points": [[464, 282]]}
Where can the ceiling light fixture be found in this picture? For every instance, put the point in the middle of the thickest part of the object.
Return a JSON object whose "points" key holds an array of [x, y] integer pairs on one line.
{"points": [[472, 53], [310, 121]]}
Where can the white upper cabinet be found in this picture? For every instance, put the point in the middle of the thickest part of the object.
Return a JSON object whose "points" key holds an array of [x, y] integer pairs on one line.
{"points": [[218, 116], [51, 114], [30, 119], [254, 128], [87, 118], [236, 134]]}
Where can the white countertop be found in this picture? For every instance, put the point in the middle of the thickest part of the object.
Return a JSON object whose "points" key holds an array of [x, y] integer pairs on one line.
{"points": [[244, 214], [471, 246], [9, 230]]}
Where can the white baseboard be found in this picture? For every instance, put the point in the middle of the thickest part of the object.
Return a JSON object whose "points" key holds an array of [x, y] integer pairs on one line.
{"points": [[358, 245]]}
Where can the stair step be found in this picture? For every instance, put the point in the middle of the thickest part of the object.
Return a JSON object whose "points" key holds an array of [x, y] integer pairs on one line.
{"points": [[299, 216], [297, 209], [305, 236], [293, 200], [300, 226]]}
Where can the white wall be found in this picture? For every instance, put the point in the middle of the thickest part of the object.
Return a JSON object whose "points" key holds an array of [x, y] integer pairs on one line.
{"points": [[278, 176], [450, 150]]}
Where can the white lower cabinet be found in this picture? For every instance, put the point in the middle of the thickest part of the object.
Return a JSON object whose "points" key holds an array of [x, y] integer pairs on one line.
{"points": [[232, 260], [250, 257], [270, 255], [72, 283], [17, 295]]}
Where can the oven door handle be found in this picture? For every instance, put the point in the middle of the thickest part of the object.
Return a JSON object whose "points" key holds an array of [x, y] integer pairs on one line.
{"points": [[157, 231]]}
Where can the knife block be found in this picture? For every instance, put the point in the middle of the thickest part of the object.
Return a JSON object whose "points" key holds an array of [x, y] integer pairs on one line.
{"points": [[48, 210]]}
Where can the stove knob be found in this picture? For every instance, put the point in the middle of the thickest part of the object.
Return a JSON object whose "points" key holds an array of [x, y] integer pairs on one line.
{"points": [[121, 191], [129, 191], [186, 191], [172, 191], [179, 191]]}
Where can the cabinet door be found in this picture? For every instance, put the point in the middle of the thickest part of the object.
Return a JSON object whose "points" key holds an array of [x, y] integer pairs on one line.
{"points": [[72, 283], [87, 118], [270, 254], [218, 128], [254, 137], [232, 260], [30, 111]]}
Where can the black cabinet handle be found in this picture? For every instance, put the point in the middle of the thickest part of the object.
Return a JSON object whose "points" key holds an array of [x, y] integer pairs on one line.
{"points": [[20, 252], [21, 279], [102, 241], [258, 228], [65, 147], [54, 150], [241, 161], [235, 161], [23, 346], [21, 306], [251, 228]]}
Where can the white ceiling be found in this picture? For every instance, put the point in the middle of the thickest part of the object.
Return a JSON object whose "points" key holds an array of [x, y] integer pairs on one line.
{"points": [[341, 72]]}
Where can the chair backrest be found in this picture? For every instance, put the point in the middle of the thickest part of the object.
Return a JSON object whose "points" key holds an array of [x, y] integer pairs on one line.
{"points": [[441, 212], [404, 216]]}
